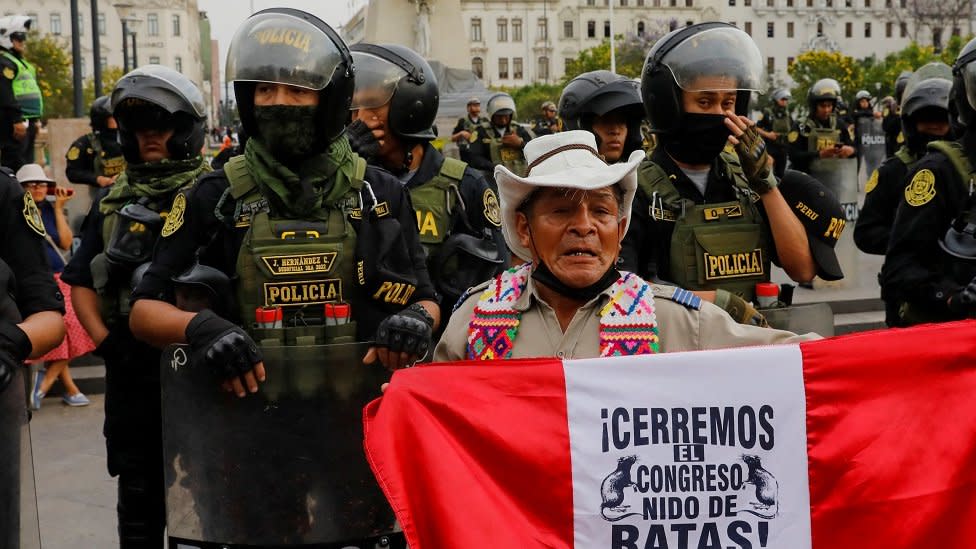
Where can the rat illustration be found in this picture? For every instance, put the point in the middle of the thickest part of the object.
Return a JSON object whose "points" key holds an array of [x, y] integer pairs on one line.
{"points": [[767, 489], [613, 486]]}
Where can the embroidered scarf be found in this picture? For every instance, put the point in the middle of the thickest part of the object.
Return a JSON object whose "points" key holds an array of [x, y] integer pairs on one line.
{"points": [[628, 325]]}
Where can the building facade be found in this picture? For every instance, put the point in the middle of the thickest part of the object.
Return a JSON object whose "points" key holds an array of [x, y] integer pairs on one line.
{"points": [[519, 42]]}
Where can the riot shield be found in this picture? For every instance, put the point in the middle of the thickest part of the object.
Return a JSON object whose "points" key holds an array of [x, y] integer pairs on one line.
{"points": [[281, 468], [800, 319], [840, 176], [872, 144], [18, 500]]}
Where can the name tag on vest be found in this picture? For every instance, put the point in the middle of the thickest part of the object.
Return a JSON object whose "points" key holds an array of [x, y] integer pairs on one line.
{"points": [[302, 292], [285, 265], [735, 265], [712, 214]]}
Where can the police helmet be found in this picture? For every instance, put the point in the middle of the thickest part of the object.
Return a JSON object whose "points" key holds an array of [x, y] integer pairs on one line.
{"points": [[158, 97], [100, 112], [862, 94], [289, 46], [782, 93], [501, 103], [935, 69], [596, 93], [11, 25], [927, 95], [964, 83], [825, 89], [900, 84], [707, 56], [399, 76]]}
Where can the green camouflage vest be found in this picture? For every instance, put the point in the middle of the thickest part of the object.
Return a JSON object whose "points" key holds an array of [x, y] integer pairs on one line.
{"points": [[713, 246], [295, 264], [905, 155]]}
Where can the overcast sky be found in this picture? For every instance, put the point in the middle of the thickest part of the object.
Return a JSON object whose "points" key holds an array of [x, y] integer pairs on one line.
{"points": [[226, 15]]}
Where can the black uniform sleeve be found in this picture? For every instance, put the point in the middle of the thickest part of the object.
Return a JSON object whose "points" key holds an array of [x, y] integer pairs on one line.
{"points": [[799, 155], [523, 133], [636, 254], [913, 269], [78, 271], [479, 155], [81, 169], [878, 213], [22, 248], [891, 124], [8, 103], [765, 122], [458, 127]]}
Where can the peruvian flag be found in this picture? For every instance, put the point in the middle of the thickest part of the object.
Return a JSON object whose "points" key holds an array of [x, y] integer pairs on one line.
{"points": [[863, 441]]}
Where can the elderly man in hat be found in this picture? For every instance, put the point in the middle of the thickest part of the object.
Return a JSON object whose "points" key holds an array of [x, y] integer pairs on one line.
{"points": [[566, 220], [466, 125]]}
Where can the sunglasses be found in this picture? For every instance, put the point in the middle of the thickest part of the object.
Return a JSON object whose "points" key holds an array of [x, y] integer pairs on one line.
{"points": [[35, 184]]}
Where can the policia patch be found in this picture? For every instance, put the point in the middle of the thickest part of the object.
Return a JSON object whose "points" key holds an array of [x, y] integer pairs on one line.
{"points": [[491, 208], [174, 219], [872, 182], [74, 153], [33, 216], [922, 188], [8, 73]]}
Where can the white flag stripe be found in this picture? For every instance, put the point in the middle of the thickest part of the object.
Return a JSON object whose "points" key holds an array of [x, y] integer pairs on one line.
{"points": [[717, 458]]}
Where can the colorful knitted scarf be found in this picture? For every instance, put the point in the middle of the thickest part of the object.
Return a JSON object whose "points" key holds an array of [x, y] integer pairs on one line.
{"points": [[627, 322]]}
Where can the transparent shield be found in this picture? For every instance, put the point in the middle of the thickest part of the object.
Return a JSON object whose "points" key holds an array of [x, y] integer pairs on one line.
{"points": [[279, 468], [721, 59], [376, 81], [969, 79]]}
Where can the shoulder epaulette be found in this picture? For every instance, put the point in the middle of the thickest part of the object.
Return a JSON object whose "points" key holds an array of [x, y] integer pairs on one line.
{"points": [[680, 296], [477, 289], [453, 168]]}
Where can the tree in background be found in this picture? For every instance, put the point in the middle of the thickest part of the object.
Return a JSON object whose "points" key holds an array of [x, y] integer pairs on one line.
{"points": [[631, 50], [50, 54], [811, 66], [110, 75]]}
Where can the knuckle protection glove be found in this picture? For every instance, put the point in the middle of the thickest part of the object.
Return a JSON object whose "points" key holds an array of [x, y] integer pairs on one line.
{"points": [[222, 345], [361, 139], [964, 300], [15, 347], [739, 309], [755, 160], [408, 331]]}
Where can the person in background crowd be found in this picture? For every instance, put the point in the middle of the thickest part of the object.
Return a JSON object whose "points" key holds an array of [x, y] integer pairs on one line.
{"points": [[96, 158], [775, 126], [825, 133], [549, 122], [57, 241], [21, 101], [608, 106], [500, 141], [464, 129], [891, 121]]}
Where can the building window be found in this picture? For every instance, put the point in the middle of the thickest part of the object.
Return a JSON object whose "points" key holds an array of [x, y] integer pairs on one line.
{"points": [[476, 31], [503, 68], [820, 29], [516, 30], [56, 23], [640, 3], [867, 3], [542, 29], [83, 66], [770, 29], [867, 30], [829, 3], [770, 65], [640, 28], [590, 2], [606, 29], [478, 67], [903, 4], [567, 29], [809, 3], [81, 26], [848, 3], [848, 29], [789, 3], [591, 29], [689, 3], [889, 29], [517, 68], [789, 62], [904, 29], [887, 3], [152, 22], [623, 3], [176, 25], [103, 62], [789, 29], [748, 28], [937, 39], [503, 30], [153, 59], [770, 3], [544, 68], [101, 24], [178, 64], [747, 3], [956, 31]]}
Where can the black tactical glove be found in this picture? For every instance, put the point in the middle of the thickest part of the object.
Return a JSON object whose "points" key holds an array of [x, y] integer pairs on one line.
{"points": [[222, 345], [408, 331], [15, 347], [739, 309], [755, 160], [361, 139], [963, 302]]}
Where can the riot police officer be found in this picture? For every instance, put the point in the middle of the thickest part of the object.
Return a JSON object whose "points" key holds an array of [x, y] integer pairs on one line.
{"points": [[30, 325], [96, 158], [500, 141], [21, 101], [608, 106], [548, 122], [823, 134], [394, 106], [920, 280], [775, 126], [891, 116], [161, 117], [706, 218], [464, 129], [304, 227]]}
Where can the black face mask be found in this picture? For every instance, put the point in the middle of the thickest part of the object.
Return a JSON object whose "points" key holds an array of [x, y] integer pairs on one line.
{"points": [[698, 140], [543, 275], [288, 131]]}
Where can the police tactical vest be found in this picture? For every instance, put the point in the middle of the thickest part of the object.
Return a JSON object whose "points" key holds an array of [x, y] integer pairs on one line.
{"points": [[714, 246], [26, 90], [957, 156], [819, 138], [510, 157], [434, 202], [107, 167], [298, 265], [905, 156]]}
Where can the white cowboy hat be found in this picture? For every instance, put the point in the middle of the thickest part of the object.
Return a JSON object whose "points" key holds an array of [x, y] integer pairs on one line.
{"points": [[32, 172], [565, 160]]}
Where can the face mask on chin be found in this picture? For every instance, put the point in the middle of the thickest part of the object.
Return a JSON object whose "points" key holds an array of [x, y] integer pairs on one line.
{"points": [[543, 275], [698, 140]]}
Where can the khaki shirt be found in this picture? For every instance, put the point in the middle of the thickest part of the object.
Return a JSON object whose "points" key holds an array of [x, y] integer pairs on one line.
{"points": [[681, 327]]}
